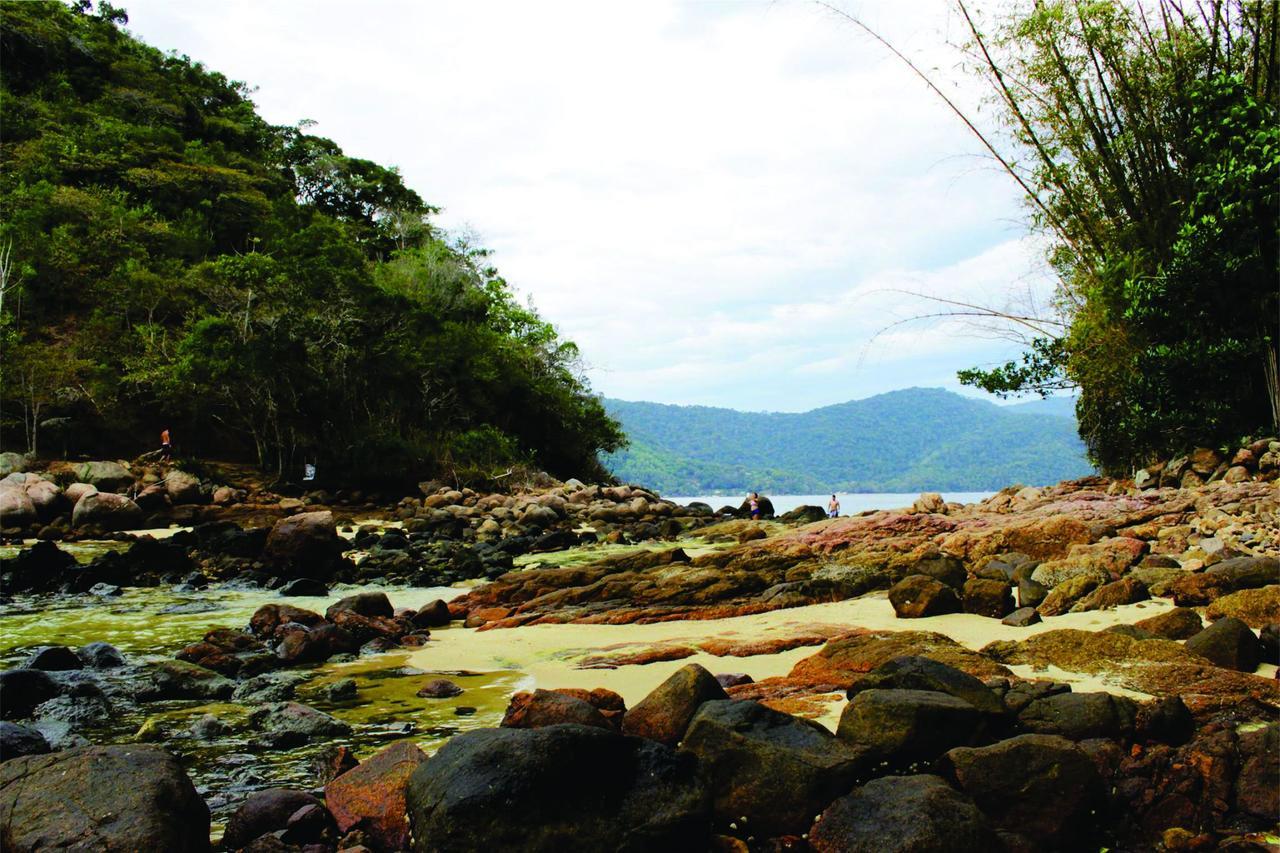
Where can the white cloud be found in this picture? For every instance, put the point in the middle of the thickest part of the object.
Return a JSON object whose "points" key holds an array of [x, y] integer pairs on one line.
{"points": [[713, 200]]}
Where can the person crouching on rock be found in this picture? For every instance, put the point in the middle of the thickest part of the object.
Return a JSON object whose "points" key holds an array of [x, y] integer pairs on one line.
{"points": [[166, 446], [833, 507], [754, 503]]}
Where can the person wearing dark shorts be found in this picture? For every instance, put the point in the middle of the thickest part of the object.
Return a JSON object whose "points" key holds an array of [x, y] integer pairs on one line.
{"points": [[166, 446]]}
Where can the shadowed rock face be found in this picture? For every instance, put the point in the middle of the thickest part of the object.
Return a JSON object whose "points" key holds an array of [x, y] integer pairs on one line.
{"points": [[774, 770], [904, 814], [558, 788], [57, 801]]}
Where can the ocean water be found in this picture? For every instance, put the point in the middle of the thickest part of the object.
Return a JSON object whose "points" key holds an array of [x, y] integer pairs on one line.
{"points": [[850, 504]]}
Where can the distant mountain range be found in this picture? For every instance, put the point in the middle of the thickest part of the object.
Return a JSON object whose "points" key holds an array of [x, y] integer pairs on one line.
{"points": [[904, 441]]}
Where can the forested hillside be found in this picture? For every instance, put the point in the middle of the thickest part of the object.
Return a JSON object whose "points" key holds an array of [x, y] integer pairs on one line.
{"points": [[171, 259], [907, 440]]}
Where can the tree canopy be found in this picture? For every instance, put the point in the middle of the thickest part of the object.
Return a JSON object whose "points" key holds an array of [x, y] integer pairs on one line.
{"points": [[1147, 139], [168, 258]]}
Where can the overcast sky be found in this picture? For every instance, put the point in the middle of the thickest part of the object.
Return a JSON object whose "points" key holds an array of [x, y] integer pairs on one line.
{"points": [[716, 200]]}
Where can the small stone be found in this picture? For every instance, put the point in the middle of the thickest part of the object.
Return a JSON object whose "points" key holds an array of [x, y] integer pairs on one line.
{"points": [[440, 688], [1022, 617]]}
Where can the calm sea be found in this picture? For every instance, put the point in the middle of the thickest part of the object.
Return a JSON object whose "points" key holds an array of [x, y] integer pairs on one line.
{"points": [[850, 504]]}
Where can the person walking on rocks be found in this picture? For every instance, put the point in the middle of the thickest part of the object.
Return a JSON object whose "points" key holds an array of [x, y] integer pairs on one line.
{"points": [[833, 507], [166, 446]]}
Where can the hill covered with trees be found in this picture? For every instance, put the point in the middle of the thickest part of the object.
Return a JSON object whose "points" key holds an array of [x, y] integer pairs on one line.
{"points": [[171, 259], [909, 440]]}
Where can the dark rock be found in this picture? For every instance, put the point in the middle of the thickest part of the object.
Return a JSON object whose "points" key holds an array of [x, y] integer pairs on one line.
{"points": [[987, 598], [151, 803], [1130, 631], [174, 679], [369, 604], [917, 596], [21, 690], [1257, 787], [1022, 617], [665, 713], [803, 515], [341, 690], [557, 788], [1228, 643], [332, 762], [54, 659], [269, 617], [316, 644], [440, 688], [287, 724], [942, 568], [1039, 786], [305, 587], [371, 796], [433, 615], [1165, 720], [1244, 573], [275, 687], [550, 707], [733, 679], [1022, 693], [903, 728], [912, 672], [1031, 593], [903, 814], [43, 566], [18, 740], [1114, 594], [264, 812], [1269, 643], [774, 770], [208, 727], [1078, 716]]}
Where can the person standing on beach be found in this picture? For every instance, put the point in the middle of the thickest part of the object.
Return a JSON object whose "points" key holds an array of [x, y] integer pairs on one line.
{"points": [[833, 507]]}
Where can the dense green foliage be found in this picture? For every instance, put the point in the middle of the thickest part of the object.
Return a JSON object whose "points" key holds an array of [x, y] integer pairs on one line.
{"points": [[1150, 148], [170, 259], [908, 440]]}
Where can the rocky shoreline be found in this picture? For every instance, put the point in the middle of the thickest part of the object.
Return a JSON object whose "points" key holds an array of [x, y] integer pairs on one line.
{"points": [[938, 745]]}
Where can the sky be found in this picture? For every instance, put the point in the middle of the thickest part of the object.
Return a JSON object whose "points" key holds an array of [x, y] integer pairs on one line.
{"points": [[721, 203]]}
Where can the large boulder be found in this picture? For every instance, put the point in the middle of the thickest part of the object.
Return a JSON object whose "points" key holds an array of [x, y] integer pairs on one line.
{"points": [[917, 596], [1042, 787], [371, 795], [287, 724], [905, 728], [101, 798], [774, 770], [18, 740], [369, 604], [175, 679], [21, 690], [108, 511], [1257, 608], [903, 814], [16, 507], [558, 788], [665, 713], [913, 672], [106, 476], [985, 597], [183, 488], [550, 707], [1114, 594], [306, 544], [264, 812], [1079, 716], [1180, 623], [1228, 643]]}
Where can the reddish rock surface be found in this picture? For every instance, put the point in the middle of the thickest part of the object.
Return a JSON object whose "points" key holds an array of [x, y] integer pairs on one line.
{"points": [[371, 795]]}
